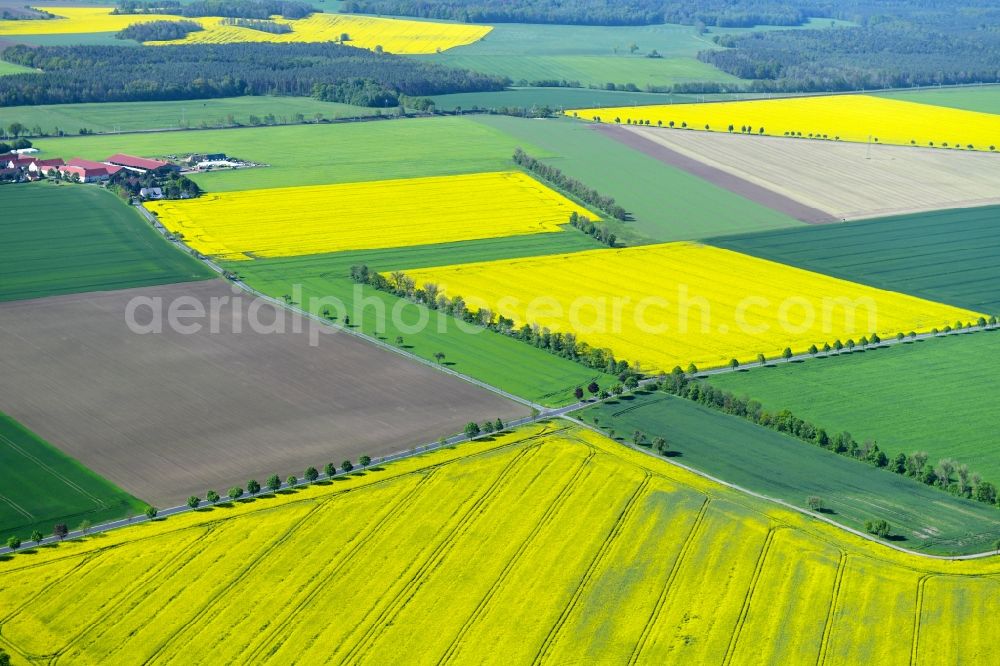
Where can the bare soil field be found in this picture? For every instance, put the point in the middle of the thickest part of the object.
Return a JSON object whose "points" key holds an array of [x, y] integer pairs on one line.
{"points": [[733, 182], [839, 178], [167, 415]]}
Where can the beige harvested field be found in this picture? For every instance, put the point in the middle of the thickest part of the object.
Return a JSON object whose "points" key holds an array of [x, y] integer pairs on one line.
{"points": [[838, 178], [169, 415]]}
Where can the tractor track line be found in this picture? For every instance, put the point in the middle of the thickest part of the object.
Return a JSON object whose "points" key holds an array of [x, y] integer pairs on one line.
{"points": [[623, 517], [501, 580], [661, 600]]}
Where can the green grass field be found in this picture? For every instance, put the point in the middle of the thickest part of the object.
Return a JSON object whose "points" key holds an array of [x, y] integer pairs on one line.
{"points": [[590, 55], [947, 256], [569, 98], [40, 486], [971, 98], [317, 154], [11, 68], [506, 363], [779, 466], [64, 239], [85, 38], [667, 203], [597, 55], [196, 113], [937, 395]]}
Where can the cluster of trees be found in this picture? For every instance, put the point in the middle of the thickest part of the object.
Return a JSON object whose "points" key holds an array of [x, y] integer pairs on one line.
{"points": [[473, 429], [262, 25], [251, 9], [598, 231], [126, 184], [947, 475], [357, 91], [158, 31], [728, 13], [922, 43], [553, 175], [199, 71], [564, 345]]}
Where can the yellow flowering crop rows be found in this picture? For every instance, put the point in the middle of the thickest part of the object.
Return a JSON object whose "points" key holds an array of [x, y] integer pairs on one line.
{"points": [[393, 35], [681, 303], [430, 561], [291, 221], [849, 117]]}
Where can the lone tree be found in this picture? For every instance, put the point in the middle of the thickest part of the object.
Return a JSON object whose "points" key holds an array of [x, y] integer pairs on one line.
{"points": [[487, 427], [273, 483], [330, 470], [37, 537], [13, 543], [660, 446], [253, 487], [193, 502], [787, 354], [439, 356], [364, 461], [692, 369], [471, 429], [150, 512], [311, 474], [815, 503], [347, 466], [498, 425], [761, 359], [734, 363], [578, 393], [593, 388], [291, 480], [879, 528], [60, 531], [235, 493], [212, 496], [638, 438]]}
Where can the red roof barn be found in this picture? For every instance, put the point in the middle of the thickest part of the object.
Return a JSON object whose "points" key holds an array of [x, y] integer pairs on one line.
{"points": [[140, 164], [86, 170]]}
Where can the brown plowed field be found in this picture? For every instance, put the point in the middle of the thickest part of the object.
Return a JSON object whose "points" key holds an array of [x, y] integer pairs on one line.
{"points": [[839, 178], [167, 415]]}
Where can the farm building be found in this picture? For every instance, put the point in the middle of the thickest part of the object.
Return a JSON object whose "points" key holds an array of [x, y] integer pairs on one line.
{"points": [[140, 164], [88, 171], [151, 193], [45, 166]]}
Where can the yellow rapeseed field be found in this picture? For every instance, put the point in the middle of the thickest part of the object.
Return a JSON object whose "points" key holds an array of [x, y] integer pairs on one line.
{"points": [[680, 303], [393, 35], [430, 561], [843, 117], [378, 214]]}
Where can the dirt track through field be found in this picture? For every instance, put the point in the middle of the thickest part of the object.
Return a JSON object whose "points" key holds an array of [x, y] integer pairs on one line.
{"points": [[846, 181], [723, 179], [169, 415]]}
